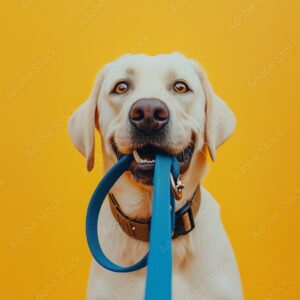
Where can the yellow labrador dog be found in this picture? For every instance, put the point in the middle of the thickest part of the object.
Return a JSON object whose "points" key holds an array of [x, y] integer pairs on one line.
{"points": [[141, 105]]}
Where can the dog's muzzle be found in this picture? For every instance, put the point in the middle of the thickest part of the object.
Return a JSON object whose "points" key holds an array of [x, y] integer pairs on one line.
{"points": [[149, 118]]}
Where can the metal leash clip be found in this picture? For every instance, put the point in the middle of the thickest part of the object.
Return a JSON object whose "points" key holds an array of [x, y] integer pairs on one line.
{"points": [[177, 187]]}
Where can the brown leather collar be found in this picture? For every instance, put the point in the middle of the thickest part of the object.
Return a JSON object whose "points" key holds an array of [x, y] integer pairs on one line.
{"points": [[139, 229]]}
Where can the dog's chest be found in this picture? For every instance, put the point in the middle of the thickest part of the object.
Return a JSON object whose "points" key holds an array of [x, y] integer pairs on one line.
{"points": [[186, 285], [199, 268], [107, 285]]}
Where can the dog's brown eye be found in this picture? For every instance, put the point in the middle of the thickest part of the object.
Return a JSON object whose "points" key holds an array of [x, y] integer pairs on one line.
{"points": [[181, 87], [120, 88]]}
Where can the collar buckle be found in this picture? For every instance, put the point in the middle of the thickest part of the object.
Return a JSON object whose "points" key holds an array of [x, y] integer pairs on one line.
{"points": [[184, 221]]}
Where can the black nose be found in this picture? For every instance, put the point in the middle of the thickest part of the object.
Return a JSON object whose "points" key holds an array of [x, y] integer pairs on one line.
{"points": [[149, 115]]}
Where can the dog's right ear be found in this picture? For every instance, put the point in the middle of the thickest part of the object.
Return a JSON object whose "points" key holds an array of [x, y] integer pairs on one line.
{"points": [[81, 126], [220, 120]]}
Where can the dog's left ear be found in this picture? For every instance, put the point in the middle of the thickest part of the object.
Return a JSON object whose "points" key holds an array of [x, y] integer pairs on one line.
{"points": [[82, 123], [220, 120]]}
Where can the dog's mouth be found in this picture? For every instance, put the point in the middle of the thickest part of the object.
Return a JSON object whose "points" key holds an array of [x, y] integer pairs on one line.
{"points": [[142, 166]]}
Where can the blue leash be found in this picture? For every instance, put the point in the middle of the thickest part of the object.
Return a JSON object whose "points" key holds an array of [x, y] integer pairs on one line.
{"points": [[159, 257]]}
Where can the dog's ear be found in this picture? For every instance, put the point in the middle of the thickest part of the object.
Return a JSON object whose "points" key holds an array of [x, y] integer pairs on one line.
{"points": [[81, 126], [220, 120]]}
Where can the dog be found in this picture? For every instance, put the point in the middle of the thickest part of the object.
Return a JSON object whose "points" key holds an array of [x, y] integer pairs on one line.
{"points": [[141, 105]]}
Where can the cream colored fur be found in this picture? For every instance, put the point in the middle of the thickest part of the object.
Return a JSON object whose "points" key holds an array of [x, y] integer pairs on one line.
{"points": [[204, 265]]}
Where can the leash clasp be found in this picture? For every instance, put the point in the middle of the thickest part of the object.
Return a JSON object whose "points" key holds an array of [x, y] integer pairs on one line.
{"points": [[177, 187]]}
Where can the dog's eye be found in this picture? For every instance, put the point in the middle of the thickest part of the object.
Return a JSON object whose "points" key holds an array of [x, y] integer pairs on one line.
{"points": [[120, 87], [181, 87]]}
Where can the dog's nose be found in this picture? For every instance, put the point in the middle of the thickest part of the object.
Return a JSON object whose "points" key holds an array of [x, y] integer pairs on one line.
{"points": [[149, 115]]}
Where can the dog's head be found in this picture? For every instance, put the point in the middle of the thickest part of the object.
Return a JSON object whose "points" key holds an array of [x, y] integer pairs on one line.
{"points": [[145, 104]]}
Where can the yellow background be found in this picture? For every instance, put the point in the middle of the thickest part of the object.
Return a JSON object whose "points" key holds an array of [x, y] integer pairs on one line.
{"points": [[50, 54]]}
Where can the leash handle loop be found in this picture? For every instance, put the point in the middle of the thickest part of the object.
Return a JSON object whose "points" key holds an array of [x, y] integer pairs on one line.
{"points": [[94, 208], [159, 257]]}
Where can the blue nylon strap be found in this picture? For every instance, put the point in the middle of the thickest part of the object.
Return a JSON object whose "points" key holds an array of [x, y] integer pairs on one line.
{"points": [[159, 281], [159, 259]]}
